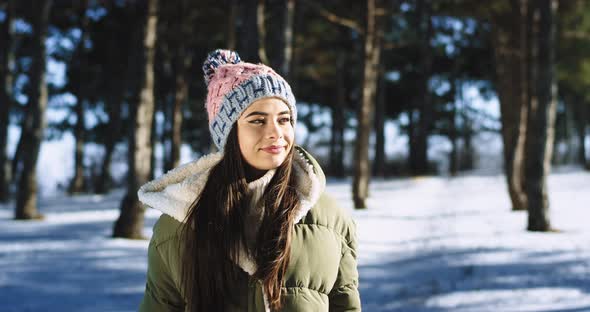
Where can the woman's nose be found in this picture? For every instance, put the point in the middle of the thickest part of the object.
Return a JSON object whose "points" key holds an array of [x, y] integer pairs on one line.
{"points": [[274, 130]]}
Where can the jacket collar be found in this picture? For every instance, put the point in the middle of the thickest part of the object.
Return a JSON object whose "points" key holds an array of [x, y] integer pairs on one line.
{"points": [[175, 191]]}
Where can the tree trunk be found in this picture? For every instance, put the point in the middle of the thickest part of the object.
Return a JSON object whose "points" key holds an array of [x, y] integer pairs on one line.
{"points": [[518, 177], [113, 104], [231, 24], [180, 97], [154, 138], [181, 60], [510, 51], [467, 157], [261, 26], [379, 163], [281, 34], [580, 113], [34, 123], [419, 165], [6, 80], [338, 122], [572, 148], [16, 164], [167, 133], [288, 47], [115, 101], [104, 181], [362, 173], [337, 143], [453, 156], [562, 137], [130, 222], [77, 183], [299, 22], [411, 136], [165, 71], [542, 109], [247, 30]]}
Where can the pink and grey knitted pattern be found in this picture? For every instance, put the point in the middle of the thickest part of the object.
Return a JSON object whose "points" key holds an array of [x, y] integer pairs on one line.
{"points": [[232, 85]]}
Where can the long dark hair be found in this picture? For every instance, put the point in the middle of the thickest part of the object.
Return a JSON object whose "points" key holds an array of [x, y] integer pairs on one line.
{"points": [[214, 231]]}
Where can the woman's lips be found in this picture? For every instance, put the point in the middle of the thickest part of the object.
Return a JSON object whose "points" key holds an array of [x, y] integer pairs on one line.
{"points": [[273, 149]]}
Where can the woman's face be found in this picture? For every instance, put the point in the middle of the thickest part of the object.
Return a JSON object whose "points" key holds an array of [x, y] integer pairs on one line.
{"points": [[265, 133]]}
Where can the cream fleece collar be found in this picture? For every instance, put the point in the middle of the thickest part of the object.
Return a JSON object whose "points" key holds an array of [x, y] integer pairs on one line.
{"points": [[173, 192]]}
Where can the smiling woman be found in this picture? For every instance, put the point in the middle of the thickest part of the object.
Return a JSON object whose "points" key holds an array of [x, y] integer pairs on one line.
{"points": [[250, 227]]}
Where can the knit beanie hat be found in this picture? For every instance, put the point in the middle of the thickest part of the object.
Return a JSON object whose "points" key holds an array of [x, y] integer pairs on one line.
{"points": [[233, 85]]}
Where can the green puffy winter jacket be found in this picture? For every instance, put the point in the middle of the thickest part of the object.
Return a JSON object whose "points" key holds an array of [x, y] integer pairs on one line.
{"points": [[322, 273]]}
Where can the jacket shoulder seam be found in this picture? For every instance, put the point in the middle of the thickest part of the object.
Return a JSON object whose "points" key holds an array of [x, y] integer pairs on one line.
{"points": [[303, 287], [165, 239], [332, 229]]}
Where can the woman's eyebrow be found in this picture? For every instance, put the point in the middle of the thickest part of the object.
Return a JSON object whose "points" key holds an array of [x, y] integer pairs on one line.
{"points": [[266, 114]]}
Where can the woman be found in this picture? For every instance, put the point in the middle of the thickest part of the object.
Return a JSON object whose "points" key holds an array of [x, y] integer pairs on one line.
{"points": [[249, 228]]}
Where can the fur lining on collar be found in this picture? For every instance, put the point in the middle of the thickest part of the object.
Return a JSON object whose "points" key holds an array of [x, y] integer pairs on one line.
{"points": [[174, 192]]}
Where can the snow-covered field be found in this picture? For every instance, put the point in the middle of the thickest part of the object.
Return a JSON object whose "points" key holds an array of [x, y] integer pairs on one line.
{"points": [[427, 244]]}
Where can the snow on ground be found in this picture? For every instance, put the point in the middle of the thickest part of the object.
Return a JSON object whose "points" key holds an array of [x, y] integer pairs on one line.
{"points": [[426, 244]]}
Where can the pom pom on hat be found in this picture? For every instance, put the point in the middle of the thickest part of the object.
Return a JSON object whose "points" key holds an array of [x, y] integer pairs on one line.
{"points": [[217, 58]]}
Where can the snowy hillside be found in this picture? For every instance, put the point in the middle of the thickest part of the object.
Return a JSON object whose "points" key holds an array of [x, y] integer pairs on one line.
{"points": [[428, 244]]}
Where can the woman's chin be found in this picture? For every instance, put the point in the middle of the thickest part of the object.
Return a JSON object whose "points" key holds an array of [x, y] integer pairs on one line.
{"points": [[272, 162]]}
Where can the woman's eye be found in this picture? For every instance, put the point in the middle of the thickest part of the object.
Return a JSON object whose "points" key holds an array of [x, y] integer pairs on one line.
{"points": [[285, 120], [257, 121]]}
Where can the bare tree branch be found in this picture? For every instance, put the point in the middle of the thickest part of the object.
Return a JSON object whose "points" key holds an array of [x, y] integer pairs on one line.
{"points": [[352, 24]]}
